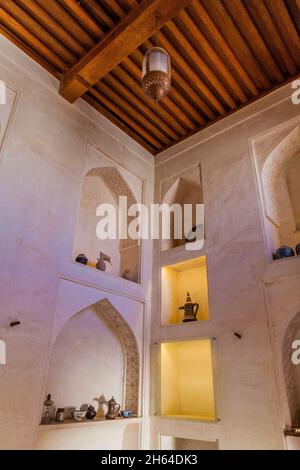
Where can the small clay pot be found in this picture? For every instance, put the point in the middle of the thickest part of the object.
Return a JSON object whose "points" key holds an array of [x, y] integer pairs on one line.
{"points": [[284, 252], [90, 412], [82, 259], [297, 249]]}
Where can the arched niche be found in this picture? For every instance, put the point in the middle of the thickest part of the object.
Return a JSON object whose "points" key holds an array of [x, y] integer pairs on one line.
{"points": [[95, 354], [281, 193], [292, 371], [106, 185], [183, 191]]}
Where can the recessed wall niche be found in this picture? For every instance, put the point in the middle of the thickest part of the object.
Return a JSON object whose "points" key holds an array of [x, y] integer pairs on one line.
{"points": [[185, 188], [178, 279], [105, 184], [277, 158], [292, 371], [184, 443], [95, 355], [187, 386]]}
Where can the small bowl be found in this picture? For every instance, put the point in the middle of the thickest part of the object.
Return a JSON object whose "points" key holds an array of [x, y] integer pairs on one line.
{"points": [[78, 415]]}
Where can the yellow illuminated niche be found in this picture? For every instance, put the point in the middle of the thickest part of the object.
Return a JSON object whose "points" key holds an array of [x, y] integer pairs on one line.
{"points": [[176, 280], [187, 389]]}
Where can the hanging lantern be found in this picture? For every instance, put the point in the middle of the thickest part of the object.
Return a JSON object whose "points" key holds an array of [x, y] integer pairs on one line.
{"points": [[156, 77]]}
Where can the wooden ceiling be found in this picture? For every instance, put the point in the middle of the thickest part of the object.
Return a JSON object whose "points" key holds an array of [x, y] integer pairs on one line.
{"points": [[224, 54]]}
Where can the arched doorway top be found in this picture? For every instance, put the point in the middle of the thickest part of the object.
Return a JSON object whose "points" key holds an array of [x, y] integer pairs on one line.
{"points": [[131, 354], [288, 369]]}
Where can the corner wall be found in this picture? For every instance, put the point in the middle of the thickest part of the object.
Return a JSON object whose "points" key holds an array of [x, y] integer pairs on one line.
{"points": [[244, 286]]}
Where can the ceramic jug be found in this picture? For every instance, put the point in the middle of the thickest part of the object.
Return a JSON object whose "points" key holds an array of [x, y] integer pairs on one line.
{"points": [[113, 408]]}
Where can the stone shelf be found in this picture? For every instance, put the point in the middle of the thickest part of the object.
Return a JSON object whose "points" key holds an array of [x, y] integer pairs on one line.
{"points": [[70, 423]]}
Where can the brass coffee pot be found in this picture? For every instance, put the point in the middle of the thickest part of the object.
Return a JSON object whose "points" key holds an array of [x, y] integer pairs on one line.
{"points": [[113, 408], [190, 309]]}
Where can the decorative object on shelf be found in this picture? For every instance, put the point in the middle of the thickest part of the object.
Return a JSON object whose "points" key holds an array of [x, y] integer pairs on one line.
{"points": [[125, 274], [100, 410], [113, 408], [190, 309], [78, 415], [237, 334], [283, 252], [47, 403], [82, 259], [297, 249], [60, 415], [101, 265], [90, 412], [197, 233], [126, 413], [156, 72]]}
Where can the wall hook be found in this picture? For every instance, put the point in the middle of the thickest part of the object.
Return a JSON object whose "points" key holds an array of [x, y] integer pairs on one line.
{"points": [[14, 323], [238, 335]]}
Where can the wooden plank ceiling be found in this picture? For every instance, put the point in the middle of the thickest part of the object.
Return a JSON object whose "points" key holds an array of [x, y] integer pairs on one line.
{"points": [[224, 53]]}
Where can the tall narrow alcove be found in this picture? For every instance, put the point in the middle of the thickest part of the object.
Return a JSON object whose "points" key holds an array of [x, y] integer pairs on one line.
{"points": [[279, 176], [105, 185], [292, 371], [185, 189]]}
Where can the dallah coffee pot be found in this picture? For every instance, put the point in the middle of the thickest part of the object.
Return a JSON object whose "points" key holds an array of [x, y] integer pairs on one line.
{"points": [[190, 309]]}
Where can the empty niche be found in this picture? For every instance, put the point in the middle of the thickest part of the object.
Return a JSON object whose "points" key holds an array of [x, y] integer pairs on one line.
{"points": [[187, 388], [183, 189], [105, 185], [181, 443], [279, 178], [95, 356]]}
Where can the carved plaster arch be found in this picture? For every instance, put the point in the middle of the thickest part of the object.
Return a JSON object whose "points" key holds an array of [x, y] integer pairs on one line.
{"points": [[275, 165], [289, 337], [119, 325]]}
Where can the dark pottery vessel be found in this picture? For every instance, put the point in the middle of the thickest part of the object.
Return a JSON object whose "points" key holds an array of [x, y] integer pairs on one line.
{"points": [[297, 249], [283, 252], [82, 259], [90, 412]]}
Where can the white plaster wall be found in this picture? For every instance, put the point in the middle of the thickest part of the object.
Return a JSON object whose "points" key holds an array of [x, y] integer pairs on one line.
{"points": [[247, 384], [44, 155], [108, 435]]}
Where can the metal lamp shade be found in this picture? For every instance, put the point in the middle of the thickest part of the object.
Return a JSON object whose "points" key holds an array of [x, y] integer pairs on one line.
{"points": [[156, 77]]}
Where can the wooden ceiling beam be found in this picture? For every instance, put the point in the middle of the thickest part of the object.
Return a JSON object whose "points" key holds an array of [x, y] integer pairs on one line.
{"points": [[63, 17], [200, 15], [30, 39], [132, 31], [32, 25], [238, 44], [52, 26]]}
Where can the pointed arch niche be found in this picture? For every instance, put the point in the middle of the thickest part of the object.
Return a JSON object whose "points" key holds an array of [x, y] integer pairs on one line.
{"points": [[277, 158], [105, 182], [95, 354], [185, 188], [292, 371]]}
